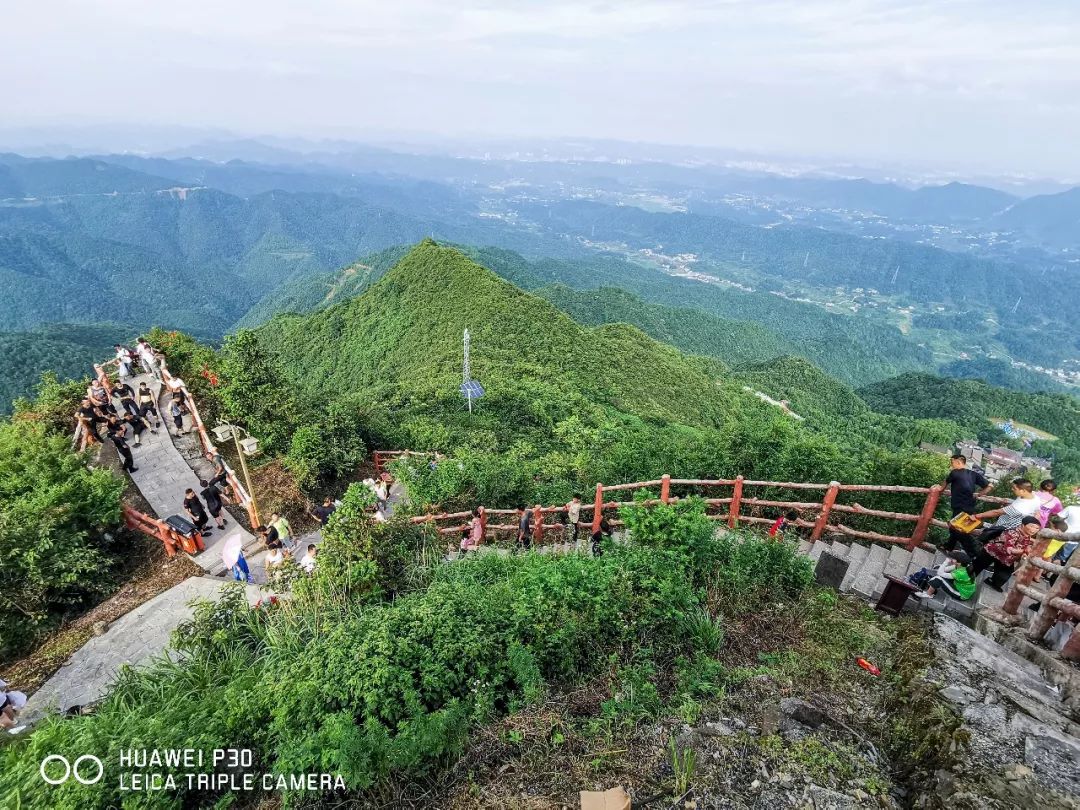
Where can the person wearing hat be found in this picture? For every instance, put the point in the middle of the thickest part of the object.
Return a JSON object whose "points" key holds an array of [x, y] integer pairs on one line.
{"points": [[1003, 549], [952, 577]]}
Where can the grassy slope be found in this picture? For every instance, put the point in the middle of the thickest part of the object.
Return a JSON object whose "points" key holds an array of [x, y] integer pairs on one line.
{"points": [[408, 328]]}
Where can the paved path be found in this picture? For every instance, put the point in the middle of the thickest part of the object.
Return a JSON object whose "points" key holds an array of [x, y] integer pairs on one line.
{"points": [[163, 474], [131, 639]]}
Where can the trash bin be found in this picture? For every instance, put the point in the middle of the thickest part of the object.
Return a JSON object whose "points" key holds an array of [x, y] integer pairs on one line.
{"points": [[190, 537], [895, 595]]}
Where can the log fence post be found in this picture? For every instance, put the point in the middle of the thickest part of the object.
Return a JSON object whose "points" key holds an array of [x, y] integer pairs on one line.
{"points": [[598, 508], [918, 537], [736, 501], [1024, 575], [665, 488], [1048, 615], [826, 508]]}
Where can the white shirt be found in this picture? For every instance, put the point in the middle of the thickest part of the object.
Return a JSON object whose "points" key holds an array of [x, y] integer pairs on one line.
{"points": [[1071, 516], [274, 557], [308, 563], [1019, 509]]}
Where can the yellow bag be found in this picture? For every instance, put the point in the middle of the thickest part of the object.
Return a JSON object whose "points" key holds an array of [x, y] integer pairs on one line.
{"points": [[965, 523]]}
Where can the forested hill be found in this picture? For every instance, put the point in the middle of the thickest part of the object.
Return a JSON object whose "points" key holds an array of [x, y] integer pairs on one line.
{"points": [[690, 330], [403, 337], [565, 406], [975, 405], [695, 317], [67, 350]]}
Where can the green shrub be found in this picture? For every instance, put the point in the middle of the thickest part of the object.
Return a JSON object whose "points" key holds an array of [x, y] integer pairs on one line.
{"points": [[375, 671], [54, 513]]}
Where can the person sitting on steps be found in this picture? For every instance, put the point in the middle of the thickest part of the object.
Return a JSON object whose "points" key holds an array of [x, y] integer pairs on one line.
{"points": [[951, 576]]}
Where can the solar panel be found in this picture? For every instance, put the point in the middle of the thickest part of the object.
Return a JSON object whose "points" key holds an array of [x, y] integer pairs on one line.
{"points": [[471, 389]]}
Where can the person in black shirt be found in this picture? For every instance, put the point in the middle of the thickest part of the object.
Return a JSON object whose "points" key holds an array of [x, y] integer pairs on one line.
{"points": [[323, 513], [145, 400], [137, 425], [270, 535], [127, 398], [212, 495], [525, 529], [90, 416], [116, 433], [193, 506], [964, 486]]}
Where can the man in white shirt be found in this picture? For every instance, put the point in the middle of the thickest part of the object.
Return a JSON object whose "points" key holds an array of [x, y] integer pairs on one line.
{"points": [[308, 561], [1024, 504], [1071, 516]]}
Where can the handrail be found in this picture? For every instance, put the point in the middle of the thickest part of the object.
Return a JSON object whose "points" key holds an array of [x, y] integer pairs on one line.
{"points": [[152, 527]]}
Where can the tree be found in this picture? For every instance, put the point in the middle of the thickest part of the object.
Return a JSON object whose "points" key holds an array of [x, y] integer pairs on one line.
{"points": [[255, 395], [54, 512]]}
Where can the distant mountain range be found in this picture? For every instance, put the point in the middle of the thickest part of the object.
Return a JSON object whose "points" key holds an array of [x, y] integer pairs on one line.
{"points": [[208, 246]]}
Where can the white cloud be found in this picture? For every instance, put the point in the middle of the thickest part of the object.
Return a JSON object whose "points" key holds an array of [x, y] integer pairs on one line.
{"points": [[945, 79]]}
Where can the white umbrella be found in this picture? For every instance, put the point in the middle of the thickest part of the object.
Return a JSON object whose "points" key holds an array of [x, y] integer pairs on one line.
{"points": [[230, 552]]}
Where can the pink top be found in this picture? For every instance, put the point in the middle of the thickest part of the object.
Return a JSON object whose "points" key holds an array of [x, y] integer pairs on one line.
{"points": [[476, 532], [1048, 505]]}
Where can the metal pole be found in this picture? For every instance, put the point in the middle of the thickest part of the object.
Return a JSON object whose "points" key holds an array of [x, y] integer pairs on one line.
{"points": [[247, 476]]}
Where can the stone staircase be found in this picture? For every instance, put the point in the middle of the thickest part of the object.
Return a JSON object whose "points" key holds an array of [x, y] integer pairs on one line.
{"points": [[869, 565]]}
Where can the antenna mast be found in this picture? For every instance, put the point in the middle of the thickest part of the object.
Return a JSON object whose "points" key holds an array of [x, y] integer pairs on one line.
{"points": [[466, 372]]}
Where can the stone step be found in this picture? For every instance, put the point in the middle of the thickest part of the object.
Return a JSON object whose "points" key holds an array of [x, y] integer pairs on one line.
{"points": [[871, 572], [816, 550], [804, 547], [856, 556], [898, 562], [838, 549], [920, 558], [939, 558]]}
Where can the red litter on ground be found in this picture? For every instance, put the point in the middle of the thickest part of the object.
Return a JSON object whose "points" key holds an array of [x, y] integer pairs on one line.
{"points": [[862, 662]]}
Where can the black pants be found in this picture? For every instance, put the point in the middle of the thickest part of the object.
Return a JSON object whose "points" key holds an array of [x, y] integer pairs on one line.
{"points": [[966, 542], [199, 519], [149, 408], [125, 457], [574, 526], [525, 541], [130, 407], [1002, 571]]}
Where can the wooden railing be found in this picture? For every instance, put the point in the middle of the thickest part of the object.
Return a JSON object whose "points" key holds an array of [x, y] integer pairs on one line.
{"points": [[84, 435], [1053, 604], [826, 510], [169, 537]]}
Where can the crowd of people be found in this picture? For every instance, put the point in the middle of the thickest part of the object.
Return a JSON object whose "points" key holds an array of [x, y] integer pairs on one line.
{"points": [[1001, 547], [531, 528], [122, 415]]}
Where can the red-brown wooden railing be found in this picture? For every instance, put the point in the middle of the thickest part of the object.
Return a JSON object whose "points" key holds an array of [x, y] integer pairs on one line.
{"points": [[169, 537], [824, 522], [1053, 604]]}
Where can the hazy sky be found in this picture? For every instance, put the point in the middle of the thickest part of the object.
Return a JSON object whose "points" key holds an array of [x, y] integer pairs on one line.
{"points": [[979, 84]]}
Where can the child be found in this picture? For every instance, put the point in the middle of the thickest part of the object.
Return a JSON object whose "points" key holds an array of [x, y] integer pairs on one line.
{"points": [[176, 410], [952, 576], [598, 537]]}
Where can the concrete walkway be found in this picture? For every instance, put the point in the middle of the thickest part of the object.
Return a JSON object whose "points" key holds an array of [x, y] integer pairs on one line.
{"points": [[131, 639], [162, 475]]}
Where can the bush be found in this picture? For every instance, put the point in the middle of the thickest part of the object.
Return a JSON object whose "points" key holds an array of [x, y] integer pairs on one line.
{"points": [[367, 674], [54, 511]]}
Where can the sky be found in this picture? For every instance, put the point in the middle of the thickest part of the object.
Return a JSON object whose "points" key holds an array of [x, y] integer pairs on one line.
{"points": [[987, 85]]}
